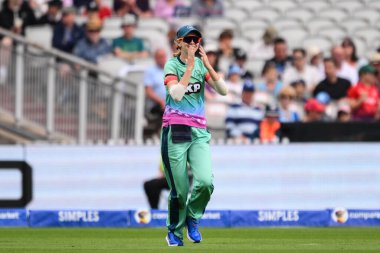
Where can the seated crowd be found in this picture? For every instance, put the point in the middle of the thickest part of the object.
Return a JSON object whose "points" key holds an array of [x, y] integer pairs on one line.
{"points": [[304, 86]]}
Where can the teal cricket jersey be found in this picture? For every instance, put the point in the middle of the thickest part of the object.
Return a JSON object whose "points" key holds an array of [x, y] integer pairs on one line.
{"points": [[191, 109]]}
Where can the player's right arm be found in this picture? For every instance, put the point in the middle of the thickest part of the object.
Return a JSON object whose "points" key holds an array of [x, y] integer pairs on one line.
{"points": [[178, 89]]}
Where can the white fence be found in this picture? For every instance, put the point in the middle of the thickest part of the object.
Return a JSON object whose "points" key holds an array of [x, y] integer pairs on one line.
{"points": [[65, 97]]}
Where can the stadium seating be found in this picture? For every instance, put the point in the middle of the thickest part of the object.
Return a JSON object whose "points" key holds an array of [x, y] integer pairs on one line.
{"points": [[315, 5], [266, 13], [303, 14], [352, 24], [41, 35], [335, 33], [336, 14], [349, 5]]}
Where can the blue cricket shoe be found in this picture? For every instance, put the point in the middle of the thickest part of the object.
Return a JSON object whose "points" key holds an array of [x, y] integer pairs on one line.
{"points": [[173, 240], [193, 233]]}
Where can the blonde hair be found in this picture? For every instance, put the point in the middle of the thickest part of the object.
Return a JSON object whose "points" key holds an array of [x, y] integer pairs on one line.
{"points": [[287, 91], [177, 42]]}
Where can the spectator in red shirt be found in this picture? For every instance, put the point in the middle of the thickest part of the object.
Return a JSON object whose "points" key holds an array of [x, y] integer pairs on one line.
{"points": [[96, 8], [314, 110], [364, 97]]}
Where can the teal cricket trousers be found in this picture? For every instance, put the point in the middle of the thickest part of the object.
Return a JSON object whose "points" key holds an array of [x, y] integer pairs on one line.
{"points": [[195, 149]]}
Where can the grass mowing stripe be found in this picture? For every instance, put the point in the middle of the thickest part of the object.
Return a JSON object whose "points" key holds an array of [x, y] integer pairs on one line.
{"points": [[86, 240]]}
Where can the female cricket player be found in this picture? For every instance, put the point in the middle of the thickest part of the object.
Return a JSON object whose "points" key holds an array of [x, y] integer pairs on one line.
{"points": [[184, 135]]}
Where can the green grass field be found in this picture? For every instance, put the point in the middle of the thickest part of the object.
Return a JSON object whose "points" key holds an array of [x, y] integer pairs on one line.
{"points": [[88, 240]]}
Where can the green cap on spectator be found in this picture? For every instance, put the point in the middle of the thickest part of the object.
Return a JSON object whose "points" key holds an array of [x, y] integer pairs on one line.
{"points": [[186, 29], [367, 69]]}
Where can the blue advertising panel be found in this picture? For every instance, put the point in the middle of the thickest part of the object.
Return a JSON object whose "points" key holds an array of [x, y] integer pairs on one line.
{"points": [[157, 218], [13, 218], [78, 218], [279, 218], [354, 217]]}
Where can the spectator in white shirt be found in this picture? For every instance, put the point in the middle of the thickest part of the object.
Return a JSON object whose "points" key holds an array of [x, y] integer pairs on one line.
{"points": [[344, 70], [263, 49], [301, 71]]}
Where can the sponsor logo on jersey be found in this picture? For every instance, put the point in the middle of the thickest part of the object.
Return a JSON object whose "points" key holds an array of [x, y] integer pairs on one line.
{"points": [[193, 88]]}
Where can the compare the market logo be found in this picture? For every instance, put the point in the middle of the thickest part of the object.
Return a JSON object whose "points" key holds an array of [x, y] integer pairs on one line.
{"points": [[142, 217], [339, 215]]}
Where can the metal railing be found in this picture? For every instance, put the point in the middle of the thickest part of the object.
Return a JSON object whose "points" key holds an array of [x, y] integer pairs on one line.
{"points": [[66, 97]]}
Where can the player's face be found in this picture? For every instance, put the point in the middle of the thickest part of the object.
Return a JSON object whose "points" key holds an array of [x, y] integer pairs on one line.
{"points": [[192, 39]]}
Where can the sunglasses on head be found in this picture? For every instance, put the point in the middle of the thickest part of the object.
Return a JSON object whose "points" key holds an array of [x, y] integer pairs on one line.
{"points": [[189, 39]]}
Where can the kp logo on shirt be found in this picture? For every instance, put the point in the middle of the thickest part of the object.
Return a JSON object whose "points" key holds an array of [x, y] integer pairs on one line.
{"points": [[193, 88]]}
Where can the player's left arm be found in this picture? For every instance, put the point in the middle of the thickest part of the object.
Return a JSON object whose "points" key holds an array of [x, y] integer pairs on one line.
{"points": [[213, 79]]}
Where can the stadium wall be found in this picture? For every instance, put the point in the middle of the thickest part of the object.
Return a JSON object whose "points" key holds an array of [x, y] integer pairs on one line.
{"points": [[258, 177], [216, 218]]}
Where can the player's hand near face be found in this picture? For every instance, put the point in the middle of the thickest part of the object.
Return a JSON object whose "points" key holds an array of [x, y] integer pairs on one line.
{"points": [[191, 49], [204, 57]]}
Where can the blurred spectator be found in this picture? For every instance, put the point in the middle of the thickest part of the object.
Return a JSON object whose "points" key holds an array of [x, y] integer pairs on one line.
{"points": [[166, 8], [53, 14], [350, 54], [212, 54], [316, 60], [243, 118], [211, 51], [287, 113], [140, 8], [171, 35], [330, 105], [234, 84], [155, 91], [270, 126], [16, 15], [314, 110], [375, 61], [301, 70], [98, 10], [301, 97], [345, 70], [344, 113], [128, 46], [241, 60], [207, 8], [335, 86], [281, 58], [271, 84], [226, 53], [80, 5], [263, 49], [364, 97], [5, 58], [92, 46], [66, 33]]}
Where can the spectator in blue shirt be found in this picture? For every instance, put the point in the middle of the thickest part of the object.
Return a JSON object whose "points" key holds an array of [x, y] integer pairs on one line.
{"points": [[155, 91], [66, 33], [243, 119], [92, 46], [287, 108], [207, 8]]}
